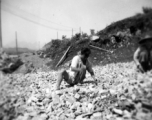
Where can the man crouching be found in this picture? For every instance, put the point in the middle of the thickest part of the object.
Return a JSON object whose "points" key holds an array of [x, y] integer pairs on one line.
{"points": [[76, 73], [143, 55]]}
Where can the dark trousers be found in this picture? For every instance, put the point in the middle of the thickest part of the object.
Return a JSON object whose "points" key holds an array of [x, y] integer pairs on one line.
{"points": [[145, 59]]}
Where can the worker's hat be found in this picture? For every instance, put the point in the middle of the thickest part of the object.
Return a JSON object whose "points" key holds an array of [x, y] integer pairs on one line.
{"points": [[147, 38]]}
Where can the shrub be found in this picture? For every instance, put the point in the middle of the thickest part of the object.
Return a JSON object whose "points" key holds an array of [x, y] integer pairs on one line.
{"points": [[146, 10]]}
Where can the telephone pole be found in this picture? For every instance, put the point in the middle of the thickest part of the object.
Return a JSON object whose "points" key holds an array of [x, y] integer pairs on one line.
{"points": [[57, 35], [72, 32], [1, 46], [80, 30], [16, 43]]}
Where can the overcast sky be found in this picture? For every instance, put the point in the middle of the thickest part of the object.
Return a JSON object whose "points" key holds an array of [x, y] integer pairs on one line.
{"points": [[38, 21]]}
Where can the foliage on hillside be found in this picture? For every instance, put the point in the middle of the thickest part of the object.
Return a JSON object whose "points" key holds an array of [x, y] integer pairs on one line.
{"points": [[57, 46], [141, 21]]}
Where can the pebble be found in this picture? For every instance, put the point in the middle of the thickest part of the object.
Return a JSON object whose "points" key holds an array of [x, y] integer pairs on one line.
{"points": [[118, 111], [90, 107], [56, 98], [98, 114], [42, 102], [77, 96]]}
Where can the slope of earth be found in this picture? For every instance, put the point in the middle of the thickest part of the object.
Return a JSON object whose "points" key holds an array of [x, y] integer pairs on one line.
{"points": [[38, 63], [123, 54], [141, 22], [121, 94]]}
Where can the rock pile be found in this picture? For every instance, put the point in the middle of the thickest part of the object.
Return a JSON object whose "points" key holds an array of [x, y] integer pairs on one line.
{"points": [[9, 64], [121, 94]]}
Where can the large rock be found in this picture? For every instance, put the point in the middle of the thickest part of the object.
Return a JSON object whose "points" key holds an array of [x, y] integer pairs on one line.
{"points": [[9, 66], [3, 55]]}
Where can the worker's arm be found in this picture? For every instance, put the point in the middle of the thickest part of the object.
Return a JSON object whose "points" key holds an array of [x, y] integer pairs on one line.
{"points": [[136, 56], [136, 59], [90, 70]]}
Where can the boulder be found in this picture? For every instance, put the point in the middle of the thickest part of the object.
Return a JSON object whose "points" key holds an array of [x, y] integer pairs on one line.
{"points": [[9, 66]]}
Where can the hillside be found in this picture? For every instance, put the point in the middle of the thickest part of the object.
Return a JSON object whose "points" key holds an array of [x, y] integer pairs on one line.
{"points": [[12, 51], [139, 25]]}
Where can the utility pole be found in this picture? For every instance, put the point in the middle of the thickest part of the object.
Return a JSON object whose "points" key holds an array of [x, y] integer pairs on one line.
{"points": [[80, 33], [39, 45], [1, 46], [80, 30], [16, 44], [72, 32], [57, 35]]}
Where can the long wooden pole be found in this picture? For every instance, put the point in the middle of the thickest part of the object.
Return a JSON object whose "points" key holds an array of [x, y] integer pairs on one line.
{"points": [[1, 45], [63, 57], [100, 48]]}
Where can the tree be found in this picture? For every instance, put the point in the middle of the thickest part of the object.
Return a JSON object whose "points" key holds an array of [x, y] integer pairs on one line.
{"points": [[63, 37], [84, 35], [146, 10]]}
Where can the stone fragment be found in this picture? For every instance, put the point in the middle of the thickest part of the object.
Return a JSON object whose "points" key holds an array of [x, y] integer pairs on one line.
{"points": [[113, 92], [59, 92], [44, 116], [76, 88], [77, 96], [97, 114], [127, 114], [56, 98], [147, 105], [92, 87], [70, 100], [90, 107], [46, 101], [118, 111]]}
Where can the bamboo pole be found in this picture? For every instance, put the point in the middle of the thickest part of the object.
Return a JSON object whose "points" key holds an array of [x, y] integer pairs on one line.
{"points": [[63, 57], [100, 48]]}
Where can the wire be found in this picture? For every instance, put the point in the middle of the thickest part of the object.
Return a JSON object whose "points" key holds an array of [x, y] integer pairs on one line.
{"points": [[35, 21], [38, 16]]}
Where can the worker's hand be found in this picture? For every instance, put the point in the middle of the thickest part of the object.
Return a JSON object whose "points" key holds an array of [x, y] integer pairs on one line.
{"points": [[140, 67], [95, 80]]}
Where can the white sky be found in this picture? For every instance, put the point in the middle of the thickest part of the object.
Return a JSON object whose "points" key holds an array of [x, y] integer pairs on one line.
{"points": [[37, 21]]}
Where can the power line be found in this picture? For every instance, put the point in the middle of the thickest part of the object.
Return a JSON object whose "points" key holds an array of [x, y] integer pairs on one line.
{"points": [[36, 16], [37, 22]]}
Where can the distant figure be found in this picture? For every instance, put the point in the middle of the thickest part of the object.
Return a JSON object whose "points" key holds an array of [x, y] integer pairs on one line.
{"points": [[132, 30], [143, 54], [76, 73], [115, 40], [3, 55]]}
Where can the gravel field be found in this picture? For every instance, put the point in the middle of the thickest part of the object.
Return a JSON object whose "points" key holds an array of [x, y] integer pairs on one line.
{"points": [[121, 94]]}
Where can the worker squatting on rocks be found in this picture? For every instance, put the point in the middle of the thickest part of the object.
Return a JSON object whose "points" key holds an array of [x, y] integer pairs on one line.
{"points": [[76, 73], [143, 54]]}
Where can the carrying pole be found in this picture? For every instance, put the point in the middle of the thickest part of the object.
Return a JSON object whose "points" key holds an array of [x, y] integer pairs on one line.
{"points": [[16, 44], [1, 45]]}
